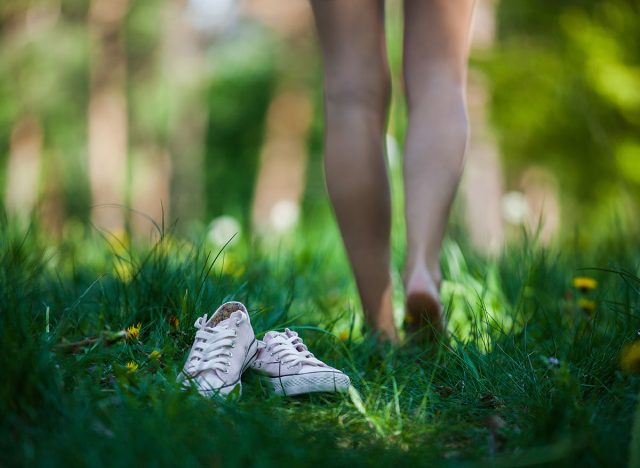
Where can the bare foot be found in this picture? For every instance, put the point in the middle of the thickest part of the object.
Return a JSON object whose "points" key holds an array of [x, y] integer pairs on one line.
{"points": [[424, 316], [381, 321]]}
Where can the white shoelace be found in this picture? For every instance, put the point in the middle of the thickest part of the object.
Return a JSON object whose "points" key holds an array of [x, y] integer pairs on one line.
{"points": [[291, 350], [212, 348]]}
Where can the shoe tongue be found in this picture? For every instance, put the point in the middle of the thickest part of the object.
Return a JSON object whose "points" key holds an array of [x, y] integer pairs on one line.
{"points": [[225, 312]]}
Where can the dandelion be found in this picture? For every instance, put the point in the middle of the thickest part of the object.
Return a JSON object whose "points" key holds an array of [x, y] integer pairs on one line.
{"points": [[131, 366], [174, 321], [343, 335], [587, 305], [155, 355], [133, 332], [584, 283], [630, 357]]}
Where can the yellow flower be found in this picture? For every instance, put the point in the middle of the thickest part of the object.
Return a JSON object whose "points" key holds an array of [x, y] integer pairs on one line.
{"points": [[587, 305], [155, 354], [343, 335], [630, 357], [584, 283], [132, 366], [133, 332]]}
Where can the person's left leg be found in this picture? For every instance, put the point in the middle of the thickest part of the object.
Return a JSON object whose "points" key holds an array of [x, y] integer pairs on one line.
{"points": [[435, 64], [357, 92]]}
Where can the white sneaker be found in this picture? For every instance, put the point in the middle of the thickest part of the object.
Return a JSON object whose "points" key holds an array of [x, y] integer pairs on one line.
{"points": [[224, 347], [292, 370]]}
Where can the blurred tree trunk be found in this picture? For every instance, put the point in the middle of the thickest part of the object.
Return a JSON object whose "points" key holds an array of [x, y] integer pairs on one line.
{"points": [[482, 187], [23, 170], [281, 178], [108, 114], [150, 189], [184, 71]]}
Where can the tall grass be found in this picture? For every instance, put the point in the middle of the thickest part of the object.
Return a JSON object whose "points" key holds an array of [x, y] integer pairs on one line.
{"points": [[530, 376]]}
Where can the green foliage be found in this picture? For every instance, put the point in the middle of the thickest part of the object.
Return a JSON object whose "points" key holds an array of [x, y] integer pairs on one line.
{"points": [[239, 95], [494, 394], [564, 81]]}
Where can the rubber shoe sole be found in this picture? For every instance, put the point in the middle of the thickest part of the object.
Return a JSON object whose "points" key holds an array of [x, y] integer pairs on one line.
{"points": [[299, 384]]}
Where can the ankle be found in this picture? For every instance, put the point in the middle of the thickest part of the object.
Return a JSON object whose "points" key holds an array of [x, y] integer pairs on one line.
{"points": [[385, 332], [421, 272]]}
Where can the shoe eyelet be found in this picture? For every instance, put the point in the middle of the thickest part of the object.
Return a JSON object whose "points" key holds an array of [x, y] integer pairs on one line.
{"points": [[226, 371], [233, 344], [230, 354], [237, 323], [228, 363]]}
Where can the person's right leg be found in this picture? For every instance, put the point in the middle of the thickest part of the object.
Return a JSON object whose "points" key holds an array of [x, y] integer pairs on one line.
{"points": [[357, 89], [435, 64]]}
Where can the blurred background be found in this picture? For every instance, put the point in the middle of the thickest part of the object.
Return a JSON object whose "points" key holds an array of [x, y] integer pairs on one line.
{"points": [[205, 117]]}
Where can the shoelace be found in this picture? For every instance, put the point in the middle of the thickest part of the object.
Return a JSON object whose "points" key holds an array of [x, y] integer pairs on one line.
{"points": [[212, 347], [291, 350]]}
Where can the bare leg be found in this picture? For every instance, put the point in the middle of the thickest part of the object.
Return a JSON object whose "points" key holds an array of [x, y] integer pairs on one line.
{"points": [[357, 92], [435, 64]]}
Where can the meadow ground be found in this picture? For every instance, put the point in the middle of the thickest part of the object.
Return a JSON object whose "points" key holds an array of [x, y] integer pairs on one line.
{"points": [[540, 368]]}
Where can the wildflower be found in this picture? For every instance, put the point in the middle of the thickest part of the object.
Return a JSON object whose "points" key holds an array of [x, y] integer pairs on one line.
{"points": [[133, 332], [587, 305], [630, 357], [155, 355], [174, 321], [131, 366], [343, 335], [554, 361], [584, 283]]}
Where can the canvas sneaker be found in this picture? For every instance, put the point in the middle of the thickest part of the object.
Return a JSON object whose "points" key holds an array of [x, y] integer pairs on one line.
{"points": [[224, 347], [291, 369]]}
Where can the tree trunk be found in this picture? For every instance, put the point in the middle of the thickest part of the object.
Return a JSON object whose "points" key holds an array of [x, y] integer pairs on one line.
{"points": [[23, 169], [281, 178], [184, 72], [482, 187], [150, 190], [108, 115]]}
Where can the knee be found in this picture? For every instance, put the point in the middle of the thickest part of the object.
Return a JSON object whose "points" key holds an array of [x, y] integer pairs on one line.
{"points": [[367, 91], [433, 81], [440, 100]]}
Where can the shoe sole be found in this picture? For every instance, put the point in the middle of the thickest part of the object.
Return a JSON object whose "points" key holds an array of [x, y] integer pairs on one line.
{"points": [[298, 384]]}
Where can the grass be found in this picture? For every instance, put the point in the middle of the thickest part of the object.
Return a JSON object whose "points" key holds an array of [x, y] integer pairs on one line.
{"points": [[530, 377]]}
